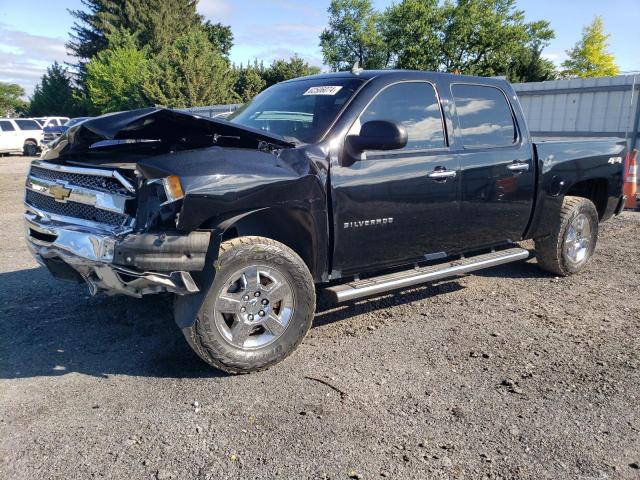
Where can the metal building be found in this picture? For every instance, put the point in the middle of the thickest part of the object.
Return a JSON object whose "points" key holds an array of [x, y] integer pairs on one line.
{"points": [[213, 110], [600, 107]]}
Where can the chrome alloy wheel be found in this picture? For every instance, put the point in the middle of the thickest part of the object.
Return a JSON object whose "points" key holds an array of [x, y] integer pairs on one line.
{"points": [[578, 239], [254, 307]]}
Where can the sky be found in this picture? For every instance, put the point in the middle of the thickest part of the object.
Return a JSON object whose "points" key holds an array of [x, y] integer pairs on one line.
{"points": [[33, 32]]}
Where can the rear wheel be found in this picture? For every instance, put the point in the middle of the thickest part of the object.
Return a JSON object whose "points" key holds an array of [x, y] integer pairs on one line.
{"points": [[571, 244], [30, 148], [259, 308]]}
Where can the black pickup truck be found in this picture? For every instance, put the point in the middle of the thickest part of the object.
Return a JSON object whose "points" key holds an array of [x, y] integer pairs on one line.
{"points": [[354, 183]]}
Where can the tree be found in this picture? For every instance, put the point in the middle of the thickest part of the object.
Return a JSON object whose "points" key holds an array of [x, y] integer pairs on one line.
{"points": [[353, 35], [249, 81], [528, 65], [589, 57], [480, 37], [190, 72], [54, 95], [220, 37], [477, 37], [154, 24], [10, 101], [281, 70], [115, 77], [412, 31]]}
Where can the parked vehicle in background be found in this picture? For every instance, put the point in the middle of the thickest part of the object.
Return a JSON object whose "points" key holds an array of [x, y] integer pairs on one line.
{"points": [[357, 183], [54, 131], [20, 135], [51, 121]]}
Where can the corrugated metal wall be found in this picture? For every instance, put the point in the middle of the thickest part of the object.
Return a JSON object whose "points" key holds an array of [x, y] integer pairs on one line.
{"points": [[213, 110], [606, 106]]}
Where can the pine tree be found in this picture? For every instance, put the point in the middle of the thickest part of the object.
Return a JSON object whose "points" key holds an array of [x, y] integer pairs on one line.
{"points": [[154, 24], [189, 73], [115, 76], [590, 58], [249, 81], [54, 95]]}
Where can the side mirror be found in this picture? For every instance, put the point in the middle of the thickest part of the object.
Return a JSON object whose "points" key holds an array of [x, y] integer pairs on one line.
{"points": [[378, 135]]}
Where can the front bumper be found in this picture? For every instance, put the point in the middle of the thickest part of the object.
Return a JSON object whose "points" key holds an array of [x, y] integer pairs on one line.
{"points": [[77, 251]]}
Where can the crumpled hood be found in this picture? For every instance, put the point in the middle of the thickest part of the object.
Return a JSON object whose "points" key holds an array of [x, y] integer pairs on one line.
{"points": [[169, 127]]}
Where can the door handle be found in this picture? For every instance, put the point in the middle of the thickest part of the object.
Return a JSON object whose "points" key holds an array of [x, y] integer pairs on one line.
{"points": [[518, 167], [442, 174]]}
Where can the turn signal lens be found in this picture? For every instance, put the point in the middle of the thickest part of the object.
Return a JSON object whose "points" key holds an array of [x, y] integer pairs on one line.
{"points": [[172, 188]]}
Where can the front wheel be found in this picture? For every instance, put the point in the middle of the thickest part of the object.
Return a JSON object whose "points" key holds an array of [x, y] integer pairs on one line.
{"points": [[571, 244], [30, 148], [258, 309]]}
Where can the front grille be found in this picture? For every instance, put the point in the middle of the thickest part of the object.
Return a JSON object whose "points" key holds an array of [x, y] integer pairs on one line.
{"points": [[49, 137], [74, 209], [103, 184]]}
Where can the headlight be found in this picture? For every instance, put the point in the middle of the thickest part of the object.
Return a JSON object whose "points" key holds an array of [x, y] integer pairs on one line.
{"points": [[172, 188]]}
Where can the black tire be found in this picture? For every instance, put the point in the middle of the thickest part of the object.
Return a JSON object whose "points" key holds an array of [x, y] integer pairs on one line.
{"points": [[551, 251], [30, 148], [207, 336]]}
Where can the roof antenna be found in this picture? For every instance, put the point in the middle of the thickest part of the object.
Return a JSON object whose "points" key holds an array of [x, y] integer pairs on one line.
{"points": [[356, 68]]}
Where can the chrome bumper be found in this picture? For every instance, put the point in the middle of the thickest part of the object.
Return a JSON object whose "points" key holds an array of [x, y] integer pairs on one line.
{"points": [[89, 250]]}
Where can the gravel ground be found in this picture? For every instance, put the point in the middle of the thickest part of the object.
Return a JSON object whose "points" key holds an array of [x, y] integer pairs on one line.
{"points": [[509, 373]]}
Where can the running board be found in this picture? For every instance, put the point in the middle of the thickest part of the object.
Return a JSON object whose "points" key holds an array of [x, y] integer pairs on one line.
{"points": [[416, 276]]}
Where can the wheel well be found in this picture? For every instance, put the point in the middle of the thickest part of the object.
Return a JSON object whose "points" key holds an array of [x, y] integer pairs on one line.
{"points": [[293, 228], [31, 140], [595, 190]]}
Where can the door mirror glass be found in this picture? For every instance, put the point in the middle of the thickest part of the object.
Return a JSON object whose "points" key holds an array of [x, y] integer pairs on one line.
{"points": [[378, 135]]}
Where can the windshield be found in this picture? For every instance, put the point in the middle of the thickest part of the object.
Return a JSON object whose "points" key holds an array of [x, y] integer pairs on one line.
{"points": [[302, 109]]}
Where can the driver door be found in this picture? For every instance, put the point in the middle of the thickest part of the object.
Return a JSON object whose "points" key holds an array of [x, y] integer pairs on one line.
{"points": [[400, 206]]}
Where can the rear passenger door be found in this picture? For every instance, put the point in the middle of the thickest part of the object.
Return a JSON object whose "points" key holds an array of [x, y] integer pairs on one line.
{"points": [[395, 207], [497, 178]]}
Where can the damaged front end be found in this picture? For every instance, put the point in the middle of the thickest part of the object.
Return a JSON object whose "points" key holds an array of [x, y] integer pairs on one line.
{"points": [[81, 226], [93, 215]]}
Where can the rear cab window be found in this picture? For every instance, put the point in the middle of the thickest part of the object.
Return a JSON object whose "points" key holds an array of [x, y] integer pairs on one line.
{"points": [[6, 126], [28, 125], [414, 105], [485, 116]]}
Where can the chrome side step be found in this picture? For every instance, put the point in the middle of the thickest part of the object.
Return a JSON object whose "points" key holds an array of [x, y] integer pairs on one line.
{"points": [[416, 276]]}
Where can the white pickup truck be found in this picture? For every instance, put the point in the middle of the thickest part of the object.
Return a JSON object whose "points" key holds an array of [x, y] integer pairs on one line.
{"points": [[20, 135]]}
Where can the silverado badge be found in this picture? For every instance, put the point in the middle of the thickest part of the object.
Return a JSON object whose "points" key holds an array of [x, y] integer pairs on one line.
{"points": [[368, 223], [59, 192]]}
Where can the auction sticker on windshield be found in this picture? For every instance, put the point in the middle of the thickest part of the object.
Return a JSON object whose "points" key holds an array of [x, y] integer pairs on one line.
{"points": [[328, 90]]}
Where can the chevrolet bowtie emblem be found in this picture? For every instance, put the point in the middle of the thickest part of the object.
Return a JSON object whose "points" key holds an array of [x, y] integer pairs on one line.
{"points": [[59, 192]]}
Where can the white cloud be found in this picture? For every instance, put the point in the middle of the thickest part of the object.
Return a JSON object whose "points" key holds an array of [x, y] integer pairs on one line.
{"points": [[281, 33], [556, 57], [25, 57], [215, 10]]}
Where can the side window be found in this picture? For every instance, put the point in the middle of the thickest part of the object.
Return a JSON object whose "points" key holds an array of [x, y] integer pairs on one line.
{"points": [[6, 126], [485, 116], [28, 125], [414, 105]]}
